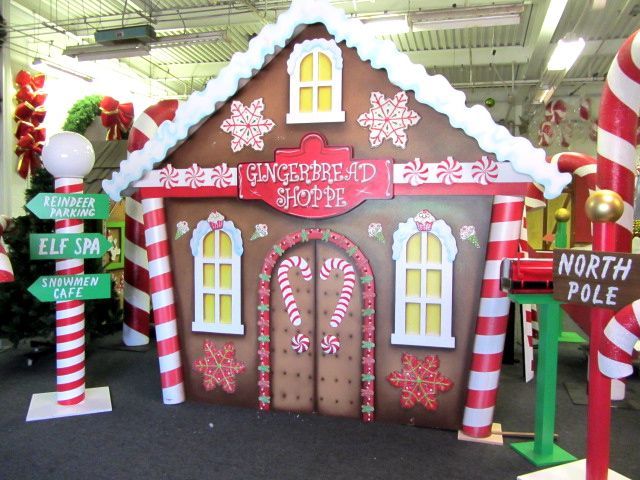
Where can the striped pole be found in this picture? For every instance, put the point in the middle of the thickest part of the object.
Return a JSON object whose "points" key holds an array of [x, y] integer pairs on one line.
{"points": [[70, 315], [137, 304], [493, 315], [620, 336], [162, 299], [6, 271]]}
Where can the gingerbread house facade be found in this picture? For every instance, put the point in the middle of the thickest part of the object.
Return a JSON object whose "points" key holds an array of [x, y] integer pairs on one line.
{"points": [[324, 225]]}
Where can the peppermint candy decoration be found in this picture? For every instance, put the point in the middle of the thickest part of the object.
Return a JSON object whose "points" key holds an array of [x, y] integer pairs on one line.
{"points": [[585, 108], [556, 111], [194, 176], [449, 171], [484, 171], [330, 344], [169, 176], [545, 134], [300, 343], [416, 172], [221, 176]]}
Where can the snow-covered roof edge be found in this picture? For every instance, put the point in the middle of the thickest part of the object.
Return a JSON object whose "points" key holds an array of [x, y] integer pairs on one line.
{"points": [[434, 91]]}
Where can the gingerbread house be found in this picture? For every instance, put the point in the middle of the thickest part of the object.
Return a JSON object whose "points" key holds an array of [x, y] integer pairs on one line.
{"points": [[324, 224]]}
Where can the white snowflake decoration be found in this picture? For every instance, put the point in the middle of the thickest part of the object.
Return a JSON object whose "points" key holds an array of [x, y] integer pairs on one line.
{"points": [[388, 118], [247, 125]]}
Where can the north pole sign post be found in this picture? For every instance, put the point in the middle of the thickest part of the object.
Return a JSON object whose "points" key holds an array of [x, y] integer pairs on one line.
{"points": [[64, 288], [595, 279], [61, 206], [56, 246]]}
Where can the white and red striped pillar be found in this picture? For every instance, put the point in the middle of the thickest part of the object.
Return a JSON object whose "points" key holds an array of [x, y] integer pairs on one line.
{"points": [[162, 300], [6, 271], [493, 315]]}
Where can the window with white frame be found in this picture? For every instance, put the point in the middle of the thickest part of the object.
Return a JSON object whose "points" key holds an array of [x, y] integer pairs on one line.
{"points": [[217, 285], [424, 285], [315, 82]]}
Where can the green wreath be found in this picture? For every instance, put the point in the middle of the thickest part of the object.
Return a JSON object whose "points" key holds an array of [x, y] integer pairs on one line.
{"points": [[82, 113]]}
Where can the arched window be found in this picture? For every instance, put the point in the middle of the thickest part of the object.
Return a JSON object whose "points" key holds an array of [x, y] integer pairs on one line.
{"points": [[217, 284], [424, 284], [315, 82]]}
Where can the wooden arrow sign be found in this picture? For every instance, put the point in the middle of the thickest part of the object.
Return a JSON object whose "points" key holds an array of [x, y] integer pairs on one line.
{"points": [[61, 206], [62, 288], [52, 246]]}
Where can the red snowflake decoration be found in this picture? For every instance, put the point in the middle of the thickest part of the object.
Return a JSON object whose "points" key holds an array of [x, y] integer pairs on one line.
{"points": [[388, 118], [219, 367], [420, 381], [247, 125]]}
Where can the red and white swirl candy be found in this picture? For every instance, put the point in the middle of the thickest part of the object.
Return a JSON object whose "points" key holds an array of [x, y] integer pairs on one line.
{"points": [[416, 172], [545, 134], [330, 344], [348, 282], [300, 343], [555, 111], [221, 176], [484, 171], [449, 171], [285, 287], [195, 176], [169, 176]]}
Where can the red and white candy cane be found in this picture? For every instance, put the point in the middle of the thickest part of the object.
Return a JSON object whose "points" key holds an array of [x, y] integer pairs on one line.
{"points": [[620, 336], [162, 299], [348, 283], [70, 346], [285, 287], [135, 329], [493, 314], [6, 271]]}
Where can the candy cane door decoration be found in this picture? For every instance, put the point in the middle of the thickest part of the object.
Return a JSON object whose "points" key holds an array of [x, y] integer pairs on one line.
{"points": [[315, 332]]}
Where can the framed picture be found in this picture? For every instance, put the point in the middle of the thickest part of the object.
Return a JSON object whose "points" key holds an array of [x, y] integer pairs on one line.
{"points": [[115, 255]]}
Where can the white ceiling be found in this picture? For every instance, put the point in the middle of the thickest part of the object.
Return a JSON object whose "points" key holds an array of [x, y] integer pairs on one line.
{"points": [[503, 62]]}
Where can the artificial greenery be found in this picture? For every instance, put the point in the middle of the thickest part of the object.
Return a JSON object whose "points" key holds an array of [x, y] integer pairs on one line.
{"points": [[82, 113], [22, 315]]}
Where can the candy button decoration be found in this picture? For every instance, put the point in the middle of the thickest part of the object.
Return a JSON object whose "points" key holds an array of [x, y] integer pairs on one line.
{"points": [[330, 344], [300, 343]]}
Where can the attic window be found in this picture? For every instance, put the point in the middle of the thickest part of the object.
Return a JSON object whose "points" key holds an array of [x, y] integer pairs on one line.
{"points": [[315, 82]]}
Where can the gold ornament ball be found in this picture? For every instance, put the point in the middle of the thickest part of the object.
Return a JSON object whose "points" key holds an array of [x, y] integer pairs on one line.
{"points": [[604, 206], [563, 215]]}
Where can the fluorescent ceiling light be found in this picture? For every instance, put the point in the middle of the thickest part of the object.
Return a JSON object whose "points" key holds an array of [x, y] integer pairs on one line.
{"points": [[387, 25], [188, 39], [465, 17], [565, 54], [54, 69], [102, 52]]}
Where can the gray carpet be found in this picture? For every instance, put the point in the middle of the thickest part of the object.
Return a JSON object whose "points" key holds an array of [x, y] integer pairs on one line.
{"points": [[142, 438]]}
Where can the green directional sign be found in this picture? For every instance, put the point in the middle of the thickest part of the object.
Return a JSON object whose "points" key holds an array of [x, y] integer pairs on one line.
{"points": [[61, 206], [52, 246], [62, 288]]}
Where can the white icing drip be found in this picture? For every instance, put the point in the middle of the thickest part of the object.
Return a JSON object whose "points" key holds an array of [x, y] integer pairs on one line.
{"points": [[328, 47], [439, 228]]}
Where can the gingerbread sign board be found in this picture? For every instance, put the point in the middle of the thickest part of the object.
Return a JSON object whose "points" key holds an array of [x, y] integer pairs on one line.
{"points": [[595, 279]]}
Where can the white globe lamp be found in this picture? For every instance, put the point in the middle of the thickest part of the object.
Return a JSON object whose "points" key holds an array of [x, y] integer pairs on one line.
{"points": [[68, 155]]}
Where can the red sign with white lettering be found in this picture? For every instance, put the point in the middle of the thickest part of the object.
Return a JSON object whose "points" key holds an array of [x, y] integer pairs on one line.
{"points": [[315, 180]]}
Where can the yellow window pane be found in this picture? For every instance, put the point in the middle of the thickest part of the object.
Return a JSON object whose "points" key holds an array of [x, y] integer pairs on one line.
{"points": [[433, 319], [209, 308], [434, 283], [225, 309], [434, 249], [208, 249], [413, 283], [225, 246], [324, 67], [324, 99], [208, 275], [413, 249], [306, 99], [412, 319], [225, 276], [306, 68]]}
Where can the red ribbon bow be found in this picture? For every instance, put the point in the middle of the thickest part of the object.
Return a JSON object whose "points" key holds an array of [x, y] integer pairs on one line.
{"points": [[29, 149], [29, 113], [117, 117]]}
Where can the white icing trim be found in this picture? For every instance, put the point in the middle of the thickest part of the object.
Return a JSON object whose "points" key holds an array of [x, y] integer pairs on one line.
{"points": [[203, 228], [439, 228], [434, 91], [506, 174], [328, 47]]}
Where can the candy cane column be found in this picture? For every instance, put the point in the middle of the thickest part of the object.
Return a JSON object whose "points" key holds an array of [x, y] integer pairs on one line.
{"points": [[493, 314], [69, 157], [162, 300]]}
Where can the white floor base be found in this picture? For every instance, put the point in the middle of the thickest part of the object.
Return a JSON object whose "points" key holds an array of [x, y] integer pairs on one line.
{"points": [[44, 406], [568, 471]]}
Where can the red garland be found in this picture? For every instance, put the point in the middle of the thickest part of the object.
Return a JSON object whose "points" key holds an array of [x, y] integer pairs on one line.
{"points": [[29, 114], [117, 117]]}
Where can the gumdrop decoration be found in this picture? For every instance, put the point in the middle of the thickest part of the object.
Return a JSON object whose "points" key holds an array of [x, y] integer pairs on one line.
{"points": [[468, 233], [219, 367], [388, 118], [375, 231], [420, 381], [261, 231], [247, 125], [182, 227]]}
